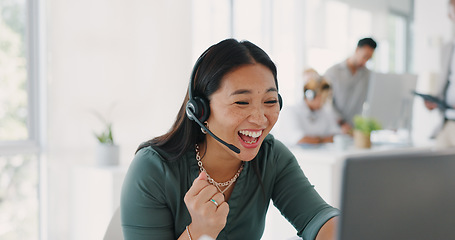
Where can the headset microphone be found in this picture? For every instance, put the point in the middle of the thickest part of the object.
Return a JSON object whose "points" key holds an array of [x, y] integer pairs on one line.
{"points": [[230, 146]]}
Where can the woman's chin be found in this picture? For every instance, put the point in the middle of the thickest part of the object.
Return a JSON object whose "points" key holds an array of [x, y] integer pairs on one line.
{"points": [[249, 153]]}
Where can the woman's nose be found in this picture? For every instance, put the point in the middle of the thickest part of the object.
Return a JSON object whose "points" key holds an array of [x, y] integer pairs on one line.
{"points": [[257, 116]]}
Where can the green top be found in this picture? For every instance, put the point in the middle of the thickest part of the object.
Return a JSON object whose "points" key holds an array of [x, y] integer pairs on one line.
{"points": [[152, 205]]}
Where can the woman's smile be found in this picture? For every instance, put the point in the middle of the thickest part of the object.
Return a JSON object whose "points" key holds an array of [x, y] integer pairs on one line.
{"points": [[249, 138]]}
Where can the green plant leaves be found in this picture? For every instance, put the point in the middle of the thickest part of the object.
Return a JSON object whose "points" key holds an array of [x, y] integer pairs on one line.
{"points": [[366, 125], [106, 137]]}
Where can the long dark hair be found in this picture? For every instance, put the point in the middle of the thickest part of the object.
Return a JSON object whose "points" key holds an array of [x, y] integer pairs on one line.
{"points": [[218, 60]]}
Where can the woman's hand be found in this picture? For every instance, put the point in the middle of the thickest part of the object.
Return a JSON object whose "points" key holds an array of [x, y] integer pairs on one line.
{"points": [[207, 218]]}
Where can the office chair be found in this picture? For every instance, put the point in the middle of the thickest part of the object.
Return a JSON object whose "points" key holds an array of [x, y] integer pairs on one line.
{"points": [[114, 229]]}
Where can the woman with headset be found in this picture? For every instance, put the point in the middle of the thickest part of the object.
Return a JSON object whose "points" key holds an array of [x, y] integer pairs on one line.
{"points": [[213, 174], [310, 121]]}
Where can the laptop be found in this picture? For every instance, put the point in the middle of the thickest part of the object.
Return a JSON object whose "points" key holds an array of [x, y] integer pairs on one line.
{"points": [[398, 196]]}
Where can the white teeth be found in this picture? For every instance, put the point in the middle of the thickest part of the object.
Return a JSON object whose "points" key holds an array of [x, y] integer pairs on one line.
{"points": [[251, 133], [251, 142]]}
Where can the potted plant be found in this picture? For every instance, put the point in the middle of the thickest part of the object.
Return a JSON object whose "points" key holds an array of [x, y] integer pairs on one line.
{"points": [[363, 126], [107, 152]]}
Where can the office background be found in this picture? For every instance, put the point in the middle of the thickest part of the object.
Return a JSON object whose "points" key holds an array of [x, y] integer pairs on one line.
{"points": [[130, 61]]}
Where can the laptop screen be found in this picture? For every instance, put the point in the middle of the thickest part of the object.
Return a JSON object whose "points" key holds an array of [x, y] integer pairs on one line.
{"points": [[398, 195]]}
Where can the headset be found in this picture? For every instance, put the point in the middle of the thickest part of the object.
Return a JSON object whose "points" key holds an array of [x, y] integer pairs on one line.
{"points": [[198, 108], [310, 94]]}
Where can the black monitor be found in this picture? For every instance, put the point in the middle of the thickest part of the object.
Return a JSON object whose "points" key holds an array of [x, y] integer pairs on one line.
{"points": [[398, 196]]}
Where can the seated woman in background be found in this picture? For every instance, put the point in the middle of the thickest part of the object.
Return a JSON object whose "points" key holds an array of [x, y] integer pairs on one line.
{"points": [[310, 121], [189, 183]]}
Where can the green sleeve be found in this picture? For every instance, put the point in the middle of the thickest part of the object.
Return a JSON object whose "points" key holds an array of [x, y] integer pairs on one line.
{"points": [[296, 198], [144, 212]]}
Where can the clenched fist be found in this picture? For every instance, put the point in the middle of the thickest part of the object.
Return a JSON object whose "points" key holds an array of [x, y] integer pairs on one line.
{"points": [[207, 208]]}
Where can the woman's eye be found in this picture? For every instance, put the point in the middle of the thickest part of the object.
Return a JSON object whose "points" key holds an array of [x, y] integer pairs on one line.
{"points": [[271, 102], [241, 103]]}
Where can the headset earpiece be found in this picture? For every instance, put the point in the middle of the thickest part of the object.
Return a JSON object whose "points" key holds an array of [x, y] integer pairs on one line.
{"points": [[280, 101], [309, 94], [198, 108]]}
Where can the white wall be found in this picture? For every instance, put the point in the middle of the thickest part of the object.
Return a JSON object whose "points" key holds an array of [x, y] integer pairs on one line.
{"points": [[135, 54]]}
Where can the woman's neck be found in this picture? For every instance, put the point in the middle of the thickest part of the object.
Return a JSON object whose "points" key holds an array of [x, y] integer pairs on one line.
{"points": [[218, 162]]}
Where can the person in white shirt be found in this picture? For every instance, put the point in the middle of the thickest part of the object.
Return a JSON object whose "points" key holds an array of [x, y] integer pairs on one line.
{"points": [[310, 121], [445, 134], [349, 80]]}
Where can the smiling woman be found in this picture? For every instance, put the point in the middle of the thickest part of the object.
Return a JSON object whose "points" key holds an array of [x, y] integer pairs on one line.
{"points": [[215, 172]]}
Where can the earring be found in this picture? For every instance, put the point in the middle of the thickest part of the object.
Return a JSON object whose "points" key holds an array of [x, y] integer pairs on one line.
{"points": [[207, 126]]}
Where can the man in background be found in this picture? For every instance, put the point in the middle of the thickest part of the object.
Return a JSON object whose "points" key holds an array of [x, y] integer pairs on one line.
{"points": [[349, 80], [445, 134]]}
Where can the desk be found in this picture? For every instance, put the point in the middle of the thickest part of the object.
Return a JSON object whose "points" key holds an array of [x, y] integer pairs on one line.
{"points": [[323, 166]]}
